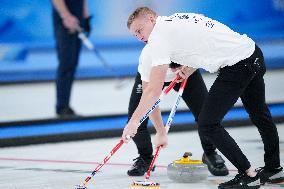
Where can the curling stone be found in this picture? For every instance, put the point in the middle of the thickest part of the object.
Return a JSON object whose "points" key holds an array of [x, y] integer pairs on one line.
{"points": [[186, 170]]}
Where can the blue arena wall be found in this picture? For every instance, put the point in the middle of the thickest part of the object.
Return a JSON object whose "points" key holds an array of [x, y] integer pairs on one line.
{"points": [[26, 21], [27, 44]]}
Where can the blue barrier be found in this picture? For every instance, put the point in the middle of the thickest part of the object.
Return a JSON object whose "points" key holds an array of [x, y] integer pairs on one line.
{"points": [[112, 123]]}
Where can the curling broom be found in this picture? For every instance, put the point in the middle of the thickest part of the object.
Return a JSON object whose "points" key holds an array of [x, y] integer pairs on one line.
{"points": [[146, 183]]}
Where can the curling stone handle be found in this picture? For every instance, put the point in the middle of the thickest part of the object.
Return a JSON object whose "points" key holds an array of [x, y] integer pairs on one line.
{"points": [[187, 154]]}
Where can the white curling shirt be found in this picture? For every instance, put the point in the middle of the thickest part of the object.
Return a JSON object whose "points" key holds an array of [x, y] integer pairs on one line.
{"points": [[145, 66], [197, 41]]}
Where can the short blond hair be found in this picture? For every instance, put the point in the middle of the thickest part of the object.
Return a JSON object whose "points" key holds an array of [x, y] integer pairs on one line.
{"points": [[138, 12]]}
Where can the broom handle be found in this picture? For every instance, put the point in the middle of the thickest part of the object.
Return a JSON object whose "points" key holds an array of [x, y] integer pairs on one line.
{"points": [[167, 127]]}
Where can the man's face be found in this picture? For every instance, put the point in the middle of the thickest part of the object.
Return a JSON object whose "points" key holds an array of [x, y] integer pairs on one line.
{"points": [[142, 27]]}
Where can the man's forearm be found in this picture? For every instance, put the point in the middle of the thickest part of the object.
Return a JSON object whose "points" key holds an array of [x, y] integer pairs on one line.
{"points": [[147, 100], [157, 121], [151, 92], [61, 8]]}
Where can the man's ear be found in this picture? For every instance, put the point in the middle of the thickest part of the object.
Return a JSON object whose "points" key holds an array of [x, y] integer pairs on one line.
{"points": [[151, 18]]}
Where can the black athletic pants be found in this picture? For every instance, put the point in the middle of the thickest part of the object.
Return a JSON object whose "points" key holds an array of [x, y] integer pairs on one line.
{"points": [[245, 80], [68, 48], [194, 95]]}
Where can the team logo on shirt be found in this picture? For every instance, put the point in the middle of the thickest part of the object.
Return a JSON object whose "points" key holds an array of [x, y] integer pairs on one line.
{"points": [[197, 18], [209, 24], [185, 16], [139, 89]]}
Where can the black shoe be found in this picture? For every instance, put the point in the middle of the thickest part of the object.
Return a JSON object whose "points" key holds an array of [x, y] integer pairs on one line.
{"points": [[140, 166], [216, 164], [241, 181], [272, 176], [67, 113]]}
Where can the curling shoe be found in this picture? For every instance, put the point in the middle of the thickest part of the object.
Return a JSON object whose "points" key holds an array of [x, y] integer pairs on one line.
{"points": [[216, 164], [271, 176], [66, 113], [241, 181], [140, 166]]}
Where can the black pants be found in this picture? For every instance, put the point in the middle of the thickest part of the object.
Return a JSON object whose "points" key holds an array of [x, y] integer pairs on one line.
{"points": [[194, 95], [68, 48], [245, 80]]}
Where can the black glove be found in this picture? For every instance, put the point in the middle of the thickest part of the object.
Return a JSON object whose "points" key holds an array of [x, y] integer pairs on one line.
{"points": [[87, 25], [174, 65]]}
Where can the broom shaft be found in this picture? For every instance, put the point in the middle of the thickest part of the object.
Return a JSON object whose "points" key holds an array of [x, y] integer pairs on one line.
{"points": [[168, 124]]}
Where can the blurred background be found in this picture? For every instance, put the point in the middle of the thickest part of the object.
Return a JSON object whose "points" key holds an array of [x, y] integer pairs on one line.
{"points": [[28, 65]]}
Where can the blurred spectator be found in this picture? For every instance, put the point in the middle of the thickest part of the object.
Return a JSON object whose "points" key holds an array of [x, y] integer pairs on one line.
{"points": [[68, 16]]}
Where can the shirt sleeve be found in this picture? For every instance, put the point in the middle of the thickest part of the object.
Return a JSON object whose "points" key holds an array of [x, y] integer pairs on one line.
{"points": [[160, 55], [145, 64]]}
